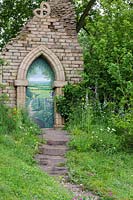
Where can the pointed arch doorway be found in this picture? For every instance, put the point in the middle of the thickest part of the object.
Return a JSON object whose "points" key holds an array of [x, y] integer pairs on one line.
{"points": [[59, 81], [40, 93]]}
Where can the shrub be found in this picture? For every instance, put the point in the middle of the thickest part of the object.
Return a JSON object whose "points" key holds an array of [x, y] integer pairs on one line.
{"points": [[73, 98], [13, 120], [123, 123], [8, 119]]}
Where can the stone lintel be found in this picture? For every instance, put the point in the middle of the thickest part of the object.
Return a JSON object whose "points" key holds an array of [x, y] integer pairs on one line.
{"points": [[21, 83], [59, 84]]}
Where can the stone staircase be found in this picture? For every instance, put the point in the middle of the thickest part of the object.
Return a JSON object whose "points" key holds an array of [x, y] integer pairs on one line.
{"points": [[51, 157]]}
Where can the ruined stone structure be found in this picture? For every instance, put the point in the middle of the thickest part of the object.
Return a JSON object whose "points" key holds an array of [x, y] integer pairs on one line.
{"points": [[51, 33]]}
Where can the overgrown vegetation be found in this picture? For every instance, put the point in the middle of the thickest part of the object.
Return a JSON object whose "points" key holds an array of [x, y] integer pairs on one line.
{"points": [[100, 157], [20, 178], [13, 19], [110, 177], [99, 110]]}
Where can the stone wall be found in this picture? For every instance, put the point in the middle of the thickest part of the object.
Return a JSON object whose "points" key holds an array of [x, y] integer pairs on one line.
{"points": [[56, 32], [64, 10]]}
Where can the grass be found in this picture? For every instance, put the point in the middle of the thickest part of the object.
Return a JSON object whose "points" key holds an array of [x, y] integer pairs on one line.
{"points": [[96, 159], [108, 176], [100, 155], [20, 177], [19, 180]]}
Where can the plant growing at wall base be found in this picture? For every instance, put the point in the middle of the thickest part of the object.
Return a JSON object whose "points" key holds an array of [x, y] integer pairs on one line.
{"points": [[73, 97]]}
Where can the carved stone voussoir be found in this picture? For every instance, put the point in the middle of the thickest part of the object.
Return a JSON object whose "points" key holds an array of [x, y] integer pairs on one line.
{"points": [[43, 11]]}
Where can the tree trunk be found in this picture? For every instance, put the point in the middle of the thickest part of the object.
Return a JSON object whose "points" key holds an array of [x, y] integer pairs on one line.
{"points": [[81, 22]]}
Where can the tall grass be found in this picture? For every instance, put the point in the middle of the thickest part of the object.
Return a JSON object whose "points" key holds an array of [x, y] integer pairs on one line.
{"points": [[102, 130], [100, 151]]}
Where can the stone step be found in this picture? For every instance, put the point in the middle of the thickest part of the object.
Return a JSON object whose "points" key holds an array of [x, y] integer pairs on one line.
{"points": [[51, 155], [54, 132], [56, 142], [50, 160], [54, 170], [56, 138], [53, 150]]}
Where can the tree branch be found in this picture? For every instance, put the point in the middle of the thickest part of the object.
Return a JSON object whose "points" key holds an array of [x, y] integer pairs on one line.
{"points": [[86, 30], [84, 15]]}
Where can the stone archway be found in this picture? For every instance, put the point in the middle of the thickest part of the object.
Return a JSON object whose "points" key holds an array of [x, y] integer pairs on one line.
{"points": [[21, 83]]}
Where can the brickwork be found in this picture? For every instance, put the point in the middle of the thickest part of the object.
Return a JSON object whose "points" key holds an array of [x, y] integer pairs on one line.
{"points": [[55, 34]]}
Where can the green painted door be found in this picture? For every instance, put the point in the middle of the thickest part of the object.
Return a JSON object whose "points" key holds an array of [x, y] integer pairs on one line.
{"points": [[39, 94]]}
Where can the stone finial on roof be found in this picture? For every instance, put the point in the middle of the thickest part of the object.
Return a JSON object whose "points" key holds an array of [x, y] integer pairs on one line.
{"points": [[43, 11]]}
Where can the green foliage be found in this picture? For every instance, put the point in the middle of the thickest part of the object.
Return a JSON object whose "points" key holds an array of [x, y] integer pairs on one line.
{"points": [[123, 123], [101, 131], [92, 133], [13, 120], [100, 151], [107, 80], [108, 57], [73, 96], [8, 120], [3, 98], [11, 20], [20, 178], [109, 176], [1, 61], [98, 141]]}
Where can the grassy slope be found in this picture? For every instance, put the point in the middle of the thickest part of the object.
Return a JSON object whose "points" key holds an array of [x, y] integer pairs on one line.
{"points": [[20, 178], [109, 176], [101, 156]]}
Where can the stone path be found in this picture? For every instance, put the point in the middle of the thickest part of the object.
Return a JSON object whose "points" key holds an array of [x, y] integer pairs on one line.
{"points": [[51, 159]]}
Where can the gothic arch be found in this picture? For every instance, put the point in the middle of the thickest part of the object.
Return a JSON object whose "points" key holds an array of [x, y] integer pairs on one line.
{"points": [[49, 56], [55, 64]]}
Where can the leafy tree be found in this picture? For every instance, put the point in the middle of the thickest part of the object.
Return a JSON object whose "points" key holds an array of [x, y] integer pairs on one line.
{"points": [[13, 14], [107, 44], [83, 9]]}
